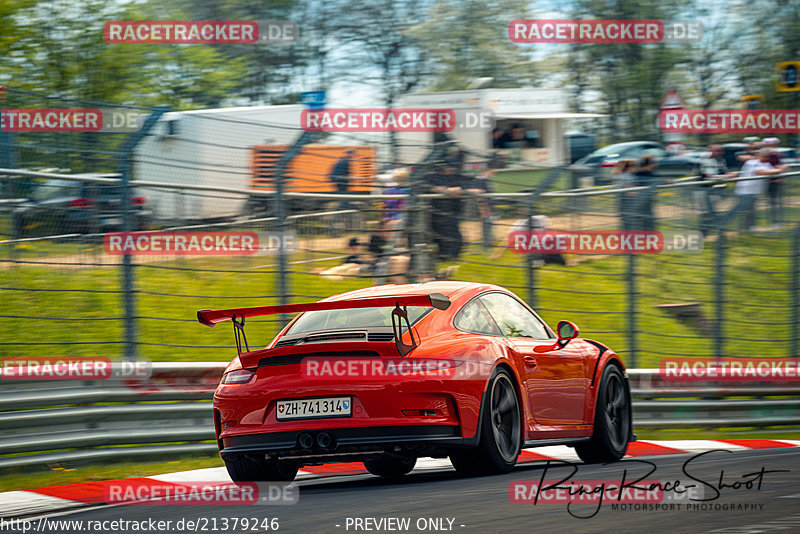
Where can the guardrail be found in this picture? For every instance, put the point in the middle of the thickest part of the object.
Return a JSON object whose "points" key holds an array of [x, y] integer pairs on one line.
{"points": [[169, 413]]}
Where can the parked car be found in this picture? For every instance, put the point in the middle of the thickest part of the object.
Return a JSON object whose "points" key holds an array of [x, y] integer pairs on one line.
{"points": [[492, 378], [64, 207], [599, 164]]}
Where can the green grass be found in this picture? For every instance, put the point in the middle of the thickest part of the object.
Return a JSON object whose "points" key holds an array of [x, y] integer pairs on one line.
{"points": [[593, 294], [519, 180], [69, 473]]}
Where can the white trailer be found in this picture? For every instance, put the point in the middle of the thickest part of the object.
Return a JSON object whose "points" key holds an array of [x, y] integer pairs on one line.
{"points": [[209, 148]]}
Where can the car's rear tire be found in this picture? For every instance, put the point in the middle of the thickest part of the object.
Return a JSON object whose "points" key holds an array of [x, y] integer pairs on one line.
{"points": [[244, 469], [390, 466], [501, 431], [612, 420]]}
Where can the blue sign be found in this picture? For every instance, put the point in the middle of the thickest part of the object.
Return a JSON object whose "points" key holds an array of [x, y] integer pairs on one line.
{"points": [[313, 99]]}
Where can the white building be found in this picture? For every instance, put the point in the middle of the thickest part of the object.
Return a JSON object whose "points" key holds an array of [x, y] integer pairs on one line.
{"points": [[542, 113]]}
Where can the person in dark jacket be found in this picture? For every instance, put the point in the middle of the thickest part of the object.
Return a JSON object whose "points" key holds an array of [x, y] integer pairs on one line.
{"points": [[644, 219], [340, 176], [446, 211]]}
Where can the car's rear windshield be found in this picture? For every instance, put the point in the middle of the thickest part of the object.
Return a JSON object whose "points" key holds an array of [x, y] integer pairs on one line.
{"points": [[315, 321]]}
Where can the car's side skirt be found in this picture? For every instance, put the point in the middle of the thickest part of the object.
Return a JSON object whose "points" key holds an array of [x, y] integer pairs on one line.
{"points": [[554, 441]]}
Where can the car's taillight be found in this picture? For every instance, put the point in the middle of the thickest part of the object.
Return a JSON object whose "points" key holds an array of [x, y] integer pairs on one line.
{"points": [[80, 203], [138, 201], [608, 164], [238, 377]]}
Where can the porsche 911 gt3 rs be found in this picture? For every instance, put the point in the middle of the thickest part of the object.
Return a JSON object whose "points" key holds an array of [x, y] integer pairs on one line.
{"points": [[391, 373]]}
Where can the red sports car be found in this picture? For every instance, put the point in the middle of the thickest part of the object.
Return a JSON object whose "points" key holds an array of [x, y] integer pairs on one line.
{"points": [[388, 374]]}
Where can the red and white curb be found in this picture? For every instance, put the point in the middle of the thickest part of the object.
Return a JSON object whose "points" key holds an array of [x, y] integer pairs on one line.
{"points": [[56, 498]]}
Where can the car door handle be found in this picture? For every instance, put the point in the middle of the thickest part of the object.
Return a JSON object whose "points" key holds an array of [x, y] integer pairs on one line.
{"points": [[530, 361]]}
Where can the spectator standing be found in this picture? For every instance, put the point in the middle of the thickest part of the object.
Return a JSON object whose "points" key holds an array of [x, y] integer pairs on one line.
{"points": [[712, 167], [748, 190], [446, 212], [341, 176], [394, 207], [775, 183], [644, 219], [481, 185], [625, 179], [753, 145]]}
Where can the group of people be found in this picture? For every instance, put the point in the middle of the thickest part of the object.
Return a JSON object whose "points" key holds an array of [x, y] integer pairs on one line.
{"points": [[759, 158], [378, 255]]}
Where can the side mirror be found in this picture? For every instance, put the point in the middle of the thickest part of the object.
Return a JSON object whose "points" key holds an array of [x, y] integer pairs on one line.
{"points": [[566, 331]]}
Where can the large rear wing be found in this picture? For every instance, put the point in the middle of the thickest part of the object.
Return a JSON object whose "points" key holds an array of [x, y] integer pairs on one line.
{"points": [[400, 303]]}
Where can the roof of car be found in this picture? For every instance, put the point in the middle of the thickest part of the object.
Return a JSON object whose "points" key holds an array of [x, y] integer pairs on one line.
{"points": [[445, 287]]}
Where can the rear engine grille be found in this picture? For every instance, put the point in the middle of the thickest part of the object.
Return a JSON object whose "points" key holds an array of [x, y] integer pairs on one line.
{"points": [[335, 337], [381, 336]]}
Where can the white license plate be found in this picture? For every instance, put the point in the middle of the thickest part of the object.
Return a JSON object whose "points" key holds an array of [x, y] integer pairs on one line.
{"points": [[311, 408]]}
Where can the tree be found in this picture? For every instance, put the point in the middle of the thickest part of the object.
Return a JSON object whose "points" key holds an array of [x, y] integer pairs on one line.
{"points": [[469, 39], [628, 78]]}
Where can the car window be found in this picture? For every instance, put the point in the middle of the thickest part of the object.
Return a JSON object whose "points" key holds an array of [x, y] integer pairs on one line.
{"points": [[476, 319], [314, 321], [655, 151], [514, 319], [52, 189]]}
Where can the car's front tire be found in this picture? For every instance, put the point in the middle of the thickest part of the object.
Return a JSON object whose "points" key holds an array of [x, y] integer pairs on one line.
{"points": [[390, 466], [244, 469], [501, 431], [612, 421]]}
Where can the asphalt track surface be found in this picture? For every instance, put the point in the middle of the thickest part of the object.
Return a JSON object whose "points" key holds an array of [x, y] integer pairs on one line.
{"points": [[482, 504]]}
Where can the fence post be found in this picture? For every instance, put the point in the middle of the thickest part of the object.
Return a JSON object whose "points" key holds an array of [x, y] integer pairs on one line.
{"points": [[540, 188], [529, 261], [126, 174], [633, 328], [417, 241], [794, 349], [719, 295], [282, 215]]}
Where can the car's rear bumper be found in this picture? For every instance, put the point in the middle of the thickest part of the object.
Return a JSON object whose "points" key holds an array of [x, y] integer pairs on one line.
{"points": [[345, 441]]}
